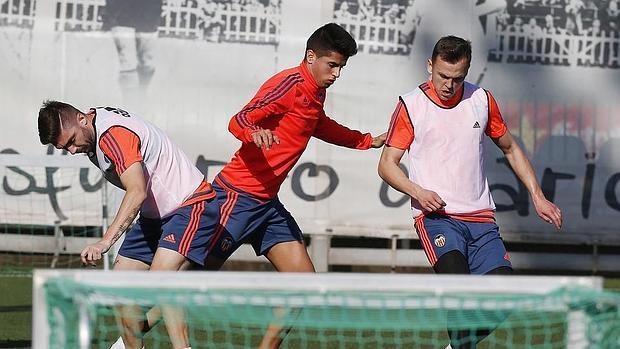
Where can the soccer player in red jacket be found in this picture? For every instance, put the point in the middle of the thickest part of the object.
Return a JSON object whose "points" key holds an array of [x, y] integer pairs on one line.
{"points": [[275, 128]]}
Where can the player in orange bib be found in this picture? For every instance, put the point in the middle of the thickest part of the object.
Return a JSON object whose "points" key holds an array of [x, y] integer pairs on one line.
{"points": [[178, 214], [442, 125]]}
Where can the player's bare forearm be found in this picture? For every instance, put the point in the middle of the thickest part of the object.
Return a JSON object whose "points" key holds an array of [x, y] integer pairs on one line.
{"points": [[390, 171], [519, 163], [546, 210], [121, 223], [130, 206], [135, 194]]}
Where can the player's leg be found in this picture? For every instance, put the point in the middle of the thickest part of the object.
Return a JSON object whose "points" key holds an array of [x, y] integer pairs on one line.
{"points": [[454, 262], [444, 241], [290, 256], [486, 255], [498, 318], [174, 317], [264, 223], [246, 218], [153, 316], [214, 263], [129, 318], [239, 216], [136, 253], [184, 240], [283, 244], [282, 241]]}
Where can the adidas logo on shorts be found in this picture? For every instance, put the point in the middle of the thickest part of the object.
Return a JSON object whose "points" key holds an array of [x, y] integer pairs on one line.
{"points": [[476, 125], [170, 238]]}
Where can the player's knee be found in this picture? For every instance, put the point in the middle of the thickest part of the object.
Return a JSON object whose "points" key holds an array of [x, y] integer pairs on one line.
{"points": [[214, 263], [290, 257], [306, 266], [300, 264], [303, 262], [166, 259], [453, 262]]}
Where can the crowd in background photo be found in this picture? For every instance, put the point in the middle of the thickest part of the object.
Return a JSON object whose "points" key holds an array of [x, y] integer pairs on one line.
{"points": [[549, 32]]}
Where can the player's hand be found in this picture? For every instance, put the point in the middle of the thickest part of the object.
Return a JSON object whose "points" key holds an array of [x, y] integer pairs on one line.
{"points": [[264, 138], [92, 253], [379, 141], [429, 200], [548, 211]]}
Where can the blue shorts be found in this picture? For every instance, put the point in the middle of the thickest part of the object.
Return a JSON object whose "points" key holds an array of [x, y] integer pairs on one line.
{"points": [[480, 243], [244, 218], [187, 231]]}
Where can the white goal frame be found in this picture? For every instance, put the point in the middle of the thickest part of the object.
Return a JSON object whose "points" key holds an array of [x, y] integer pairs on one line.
{"points": [[319, 283]]}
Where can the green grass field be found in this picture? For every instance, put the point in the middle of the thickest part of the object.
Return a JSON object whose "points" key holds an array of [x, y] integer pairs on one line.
{"points": [[16, 314], [15, 311]]}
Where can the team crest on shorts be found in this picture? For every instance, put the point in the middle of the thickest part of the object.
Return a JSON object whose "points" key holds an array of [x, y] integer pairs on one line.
{"points": [[226, 244], [440, 240]]}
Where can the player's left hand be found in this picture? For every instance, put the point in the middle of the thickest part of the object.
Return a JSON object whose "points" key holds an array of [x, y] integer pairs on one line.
{"points": [[548, 211], [379, 141], [92, 253], [264, 138]]}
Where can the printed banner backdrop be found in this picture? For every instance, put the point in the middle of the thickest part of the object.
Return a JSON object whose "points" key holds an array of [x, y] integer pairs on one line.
{"points": [[190, 65]]}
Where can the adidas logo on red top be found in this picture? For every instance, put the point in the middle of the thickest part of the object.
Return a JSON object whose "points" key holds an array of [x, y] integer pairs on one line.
{"points": [[170, 238], [476, 125]]}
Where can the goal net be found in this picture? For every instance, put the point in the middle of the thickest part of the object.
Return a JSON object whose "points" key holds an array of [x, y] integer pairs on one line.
{"points": [[51, 206], [76, 309]]}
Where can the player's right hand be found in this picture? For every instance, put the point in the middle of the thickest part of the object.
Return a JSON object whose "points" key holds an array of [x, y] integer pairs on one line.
{"points": [[264, 138], [429, 200], [379, 141], [92, 253]]}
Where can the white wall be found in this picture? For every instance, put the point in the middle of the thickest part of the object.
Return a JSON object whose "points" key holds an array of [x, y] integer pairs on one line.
{"points": [[199, 85]]}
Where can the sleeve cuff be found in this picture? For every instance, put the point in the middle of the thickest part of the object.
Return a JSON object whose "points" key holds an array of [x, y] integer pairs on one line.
{"points": [[498, 133], [367, 144], [247, 135]]}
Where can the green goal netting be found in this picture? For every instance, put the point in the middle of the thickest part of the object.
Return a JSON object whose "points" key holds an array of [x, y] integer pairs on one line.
{"points": [[76, 309]]}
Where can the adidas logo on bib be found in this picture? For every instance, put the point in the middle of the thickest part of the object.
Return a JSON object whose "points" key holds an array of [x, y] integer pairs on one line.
{"points": [[476, 125]]}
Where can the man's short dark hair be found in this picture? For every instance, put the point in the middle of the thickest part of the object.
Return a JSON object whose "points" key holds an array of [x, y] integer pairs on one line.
{"points": [[49, 120], [331, 38], [452, 49]]}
